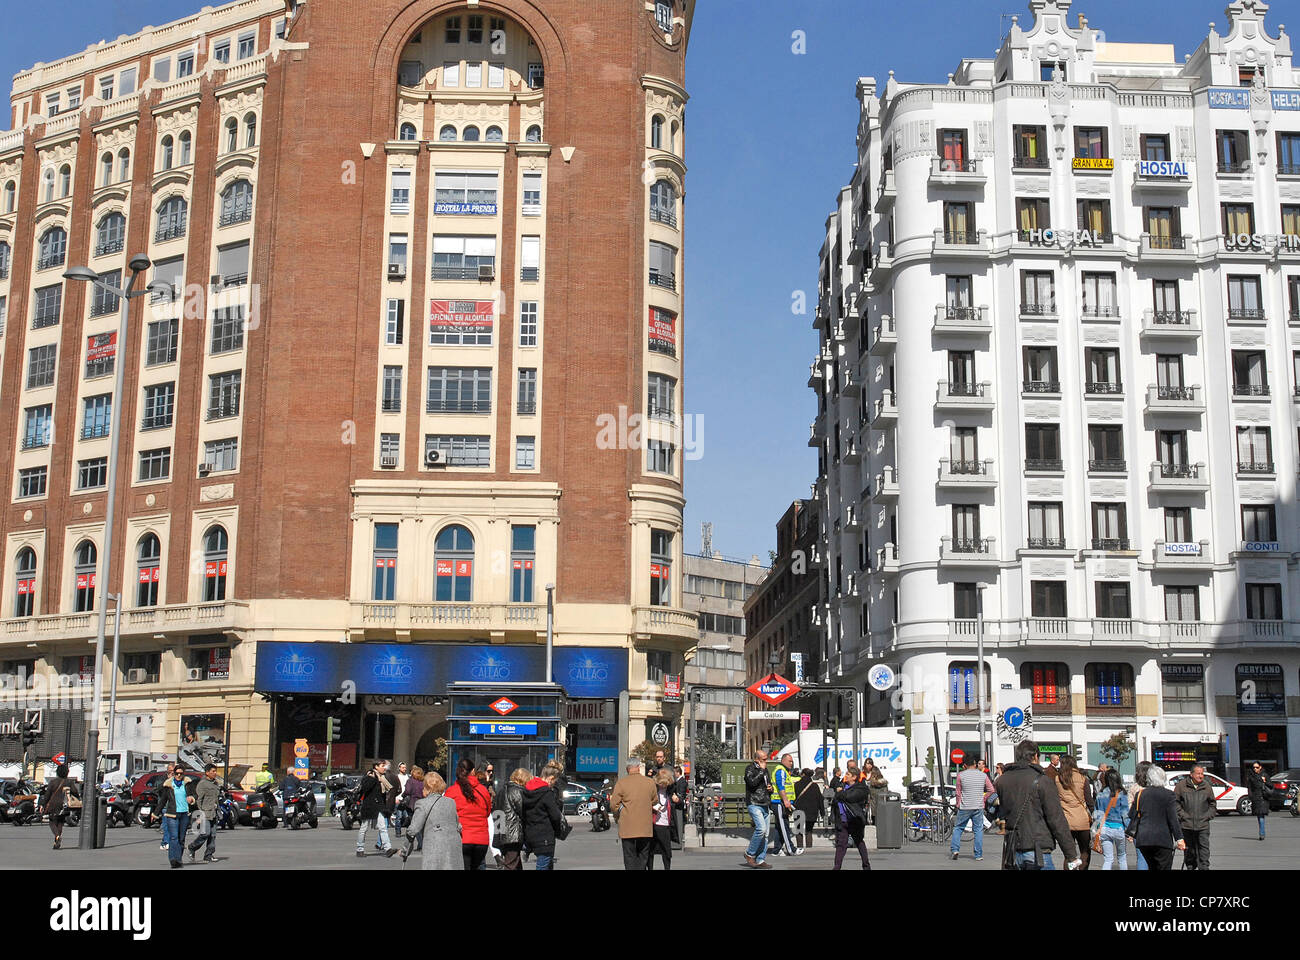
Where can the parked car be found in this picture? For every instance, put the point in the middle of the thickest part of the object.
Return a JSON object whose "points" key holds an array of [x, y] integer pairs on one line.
{"points": [[1228, 796], [1282, 782], [575, 794], [154, 779]]}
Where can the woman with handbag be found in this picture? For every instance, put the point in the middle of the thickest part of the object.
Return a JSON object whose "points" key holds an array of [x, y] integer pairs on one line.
{"points": [[849, 813], [56, 798], [1109, 821], [435, 820], [412, 794], [543, 816], [1072, 786], [661, 842]]}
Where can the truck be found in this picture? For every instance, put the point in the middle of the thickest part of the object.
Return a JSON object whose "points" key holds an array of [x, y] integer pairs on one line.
{"points": [[884, 746]]}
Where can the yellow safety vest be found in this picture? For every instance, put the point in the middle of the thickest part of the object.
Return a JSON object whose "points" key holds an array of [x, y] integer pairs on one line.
{"points": [[789, 784], [262, 778]]}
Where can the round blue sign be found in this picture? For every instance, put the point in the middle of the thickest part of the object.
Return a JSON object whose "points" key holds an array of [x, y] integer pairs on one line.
{"points": [[1014, 717]]}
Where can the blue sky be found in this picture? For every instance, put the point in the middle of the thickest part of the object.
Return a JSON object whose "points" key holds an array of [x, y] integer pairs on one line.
{"points": [[770, 140]]}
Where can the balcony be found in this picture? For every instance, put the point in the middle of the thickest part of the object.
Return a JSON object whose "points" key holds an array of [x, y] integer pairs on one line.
{"points": [[175, 619], [1184, 631], [1161, 249], [1041, 388], [852, 451], [885, 485], [1163, 183], [951, 319], [1041, 465], [1046, 543], [963, 631], [967, 474], [1233, 167], [1114, 628], [884, 337], [815, 375], [956, 173], [887, 192], [963, 395], [815, 433], [1182, 556], [1256, 469], [107, 248], [853, 518], [1109, 544], [885, 412], [171, 231], [968, 552], [1102, 388], [961, 243], [230, 218], [1174, 399], [1031, 164], [1038, 311], [1045, 628], [1170, 324], [1248, 316], [851, 381], [1250, 391], [667, 281], [1100, 313], [1265, 629], [484, 270], [51, 260], [533, 274], [887, 559], [881, 264], [1179, 478], [1107, 466]]}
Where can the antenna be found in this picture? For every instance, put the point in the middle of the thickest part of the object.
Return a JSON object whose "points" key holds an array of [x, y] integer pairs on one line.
{"points": [[706, 538], [1002, 26]]}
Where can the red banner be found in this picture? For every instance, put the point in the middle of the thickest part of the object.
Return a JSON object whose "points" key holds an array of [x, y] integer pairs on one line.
{"points": [[149, 574], [461, 316], [523, 564], [215, 569], [444, 568], [662, 571], [464, 567], [663, 330], [344, 756], [26, 586], [219, 663], [101, 346]]}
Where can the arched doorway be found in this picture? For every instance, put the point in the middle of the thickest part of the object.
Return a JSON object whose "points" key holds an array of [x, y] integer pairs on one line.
{"points": [[427, 749]]}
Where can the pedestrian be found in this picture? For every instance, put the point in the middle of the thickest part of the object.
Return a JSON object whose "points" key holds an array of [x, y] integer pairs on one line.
{"points": [[412, 794], [782, 798], [661, 841], [660, 761], [1158, 832], [681, 803], [288, 786], [489, 778], [1196, 808], [757, 801], [1031, 806], [998, 768], [848, 808], [808, 798], [632, 803], [175, 797], [836, 778], [544, 821], [402, 777], [435, 820], [1053, 768], [876, 784], [474, 807], [55, 800], [510, 801], [206, 794], [1134, 790], [1259, 788], [1109, 822], [1075, 804], [373, 791], [973, 788], [263, 778]]}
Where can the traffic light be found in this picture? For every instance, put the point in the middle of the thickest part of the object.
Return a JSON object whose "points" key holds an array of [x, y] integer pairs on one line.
{"points": [[906, 729], [1078, 753], [335, 729], [29, 735]]}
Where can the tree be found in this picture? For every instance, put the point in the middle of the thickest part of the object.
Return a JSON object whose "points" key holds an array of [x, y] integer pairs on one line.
{"points": [[1118, 748], [710, 751], [645, 752]]}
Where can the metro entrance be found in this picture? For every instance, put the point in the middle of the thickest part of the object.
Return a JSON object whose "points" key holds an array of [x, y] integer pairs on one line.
{"points": [[509, 725]]}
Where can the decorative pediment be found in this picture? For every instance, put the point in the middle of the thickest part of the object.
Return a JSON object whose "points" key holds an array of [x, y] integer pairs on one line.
{"points": [[106, 199], [178, 120], [115, 139], [179, 177], [245, 160], [240, 103]]}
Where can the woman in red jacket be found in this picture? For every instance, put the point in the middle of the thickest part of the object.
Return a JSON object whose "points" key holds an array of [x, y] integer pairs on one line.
{"points": [[473, 808]]}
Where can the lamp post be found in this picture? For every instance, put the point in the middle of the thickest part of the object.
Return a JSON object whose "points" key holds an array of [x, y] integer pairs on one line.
{"points": [[979, 666], [138, 264]]}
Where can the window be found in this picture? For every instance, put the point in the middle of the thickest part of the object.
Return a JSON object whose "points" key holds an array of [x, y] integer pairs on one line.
{"points": [[1046, 526], [83, 570], [40, 366], [530, 259], [664, 15], [473, 80], [452, 33], [65, 180], [1238, 219], [448, 132], [159, 406], [236, 203], [1043, 446], [663, 203], [454, 565], [221, 455], [247, 45], [1182, 685], [385, 556], [1094, 216], [1154, 146], [962, 695], [162, 69], [407, 132], [223, 394], [397, 245], [216, 546], [965, 528], [37, 427], [160, 342], [532, 206], [1249, 373], [1041, 374], [474, 30], [465, 193], [1232, 148], [4, 313], [1164, 296], [658, 663], [496, 80], [965, 601], [392, 390], [149, 663], [534, 134], [1254, 450], [1169, 377], [1102, 370], [461, 451], [1047, 598], [390, 447], [1244, 298], [1037, 293], [1030, 146], [1259, 523], [663, 265], [528, 323], [959, 223], [661, 567], [232, 135], [31, 482], [92, 473], [394, 323], [96, 416], [659, 456], [460, 390], [523, 558], [536, 79], [961, 372], [401, 195], [527, 391], [148, 556], [156, 464], [1178, 525], [451, 78], [1032, 214], [525, 453], [1090, 142], [1109, 526], [661, 400], [1164, 228], [186, 141], [106, 88], [25, 582], [52, 101], [1182, 604], [461, 257], [1048, 683], [1113, 600], [1263, 601], [221, 51], [1291, 219], [53, 248], [171, 219], [410, 74], [1288, 154], [1106, 449], [1098, 295], [657, 132], [1109, 685], [110, 235], [48, 306], [102, 302], [1046, 68], [123, 164]]}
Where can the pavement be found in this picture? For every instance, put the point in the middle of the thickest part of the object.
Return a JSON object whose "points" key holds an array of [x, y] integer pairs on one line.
{"points": [[329, 847]]}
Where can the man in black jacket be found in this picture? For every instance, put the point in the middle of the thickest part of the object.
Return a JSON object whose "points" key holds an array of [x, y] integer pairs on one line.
{"points": [[1031, 806], [378, 794], [757, 794], [1196, 808]]}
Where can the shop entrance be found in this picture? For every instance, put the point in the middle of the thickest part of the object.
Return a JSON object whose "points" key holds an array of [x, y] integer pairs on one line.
{"points": [[1265, 744]]}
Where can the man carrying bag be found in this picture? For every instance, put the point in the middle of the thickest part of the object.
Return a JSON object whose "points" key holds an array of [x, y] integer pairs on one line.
{"points": [[1031, 806]]}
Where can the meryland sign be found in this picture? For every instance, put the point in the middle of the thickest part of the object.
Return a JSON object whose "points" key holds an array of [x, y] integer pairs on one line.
{"points": [[1262, 242], [1048, 237]]}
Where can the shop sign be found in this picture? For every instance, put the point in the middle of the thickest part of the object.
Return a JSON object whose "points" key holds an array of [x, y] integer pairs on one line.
{"points": [[1047, 237], [595, 712], [202, 740], [598, 759], [1229, 98], [1093, 163], [461, 209], [1260, 546], [1182, 549], [1261, 242], [1060, 749], [402, 701], [1188, 670], [1162, 168], [1286, 99], [503, 729]]}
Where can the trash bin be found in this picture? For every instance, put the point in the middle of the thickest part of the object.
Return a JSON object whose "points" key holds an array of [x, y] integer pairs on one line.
{"points": [[889, 822], [101, 821]]}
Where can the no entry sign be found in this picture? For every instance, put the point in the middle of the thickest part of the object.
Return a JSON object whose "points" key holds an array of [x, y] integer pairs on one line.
{"points": [[958, 755]]}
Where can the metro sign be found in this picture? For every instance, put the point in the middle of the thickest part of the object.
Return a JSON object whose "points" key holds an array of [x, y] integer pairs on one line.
{"points": [[503, 706], [59, 758], [774, 689]]}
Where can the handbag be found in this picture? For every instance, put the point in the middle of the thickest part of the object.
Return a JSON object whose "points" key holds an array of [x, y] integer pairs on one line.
{"points": [[1131, 831], [1101, 824], [73, 803], [566, 828], [1009, 841]]}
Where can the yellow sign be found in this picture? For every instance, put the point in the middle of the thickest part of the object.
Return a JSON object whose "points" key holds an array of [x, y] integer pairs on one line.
{"points": [[1094, 163], [300, 748]]}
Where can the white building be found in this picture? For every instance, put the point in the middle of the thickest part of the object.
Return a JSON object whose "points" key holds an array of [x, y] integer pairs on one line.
{"points": [[1060, 369]]}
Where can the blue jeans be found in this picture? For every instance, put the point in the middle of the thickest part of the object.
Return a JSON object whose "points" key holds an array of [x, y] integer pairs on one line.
{"points": [[759, 813], [1261, 825], [1026, 858], [1114, 846], [174, 830], [546, 861], [381, 822], [977, 818], [1141, 860]]}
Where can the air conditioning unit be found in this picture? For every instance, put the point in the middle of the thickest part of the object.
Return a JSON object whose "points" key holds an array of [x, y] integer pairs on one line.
{"points": [[194, 673], [487, 271], [388, 463], [205, 469], [135, 675], [434, 458], [396, 271]]}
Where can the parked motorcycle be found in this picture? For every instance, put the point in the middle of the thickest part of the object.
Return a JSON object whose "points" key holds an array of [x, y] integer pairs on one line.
{"points": [[261, 808], [1293, 794], [344, 802], [300, 808], [120, 807], [600, 820], [146, 811], [24, 804], [227, 811]]}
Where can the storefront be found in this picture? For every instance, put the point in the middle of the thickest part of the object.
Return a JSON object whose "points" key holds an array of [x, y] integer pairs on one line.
{"points": [[1172, 755], [1261, 713]]}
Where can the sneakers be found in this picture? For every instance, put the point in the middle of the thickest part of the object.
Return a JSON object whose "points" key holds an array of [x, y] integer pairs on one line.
{"points": [[193, 853], [391, 852], [798, 851], [978, 859], [361, 853], [162, 846], [953, 857]]}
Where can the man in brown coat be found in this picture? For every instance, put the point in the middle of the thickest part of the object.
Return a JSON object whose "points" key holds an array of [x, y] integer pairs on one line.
{"points": [[631, 802]]}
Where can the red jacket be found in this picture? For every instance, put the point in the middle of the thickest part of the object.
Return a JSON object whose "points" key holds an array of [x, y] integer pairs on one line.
{"points": [[472, 812]]}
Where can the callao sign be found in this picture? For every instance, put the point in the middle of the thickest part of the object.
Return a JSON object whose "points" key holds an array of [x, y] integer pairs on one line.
{"points": [[775, 689]]}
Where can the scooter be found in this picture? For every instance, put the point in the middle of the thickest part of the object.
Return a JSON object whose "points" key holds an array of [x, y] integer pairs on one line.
{"points": [[300, 808], [119, 807], [261, 808], [227, 812], [600, 820], [1293, 794], [146, 810]]}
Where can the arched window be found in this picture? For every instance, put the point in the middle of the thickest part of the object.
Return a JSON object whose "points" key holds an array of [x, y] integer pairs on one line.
{"points": [[5, 258], [105, 169], [123, 165], [663, 203], [494, 135], [11, 196], [84, 571], [471, 134], [232, 135], [448, 132], [167, 151], [25, 582], [407, 132], [110, 235], [236, 203], [250, 131], [54, 248], [672, 144], [657, 132], [65, 180], [49, 177], [186, 143], [534, 134], [454, 565], [215, 545], [171, 219], [148, 554]]}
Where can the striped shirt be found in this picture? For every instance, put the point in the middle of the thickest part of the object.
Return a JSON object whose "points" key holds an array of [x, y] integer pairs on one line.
{"points": [[971, 784]]}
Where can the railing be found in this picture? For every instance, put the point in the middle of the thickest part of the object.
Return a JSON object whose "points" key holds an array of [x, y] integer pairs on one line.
{"points": [[1112, 628], [942, 165], [1019, 162], [959, 238], [161, 421], [102, 307], [886, 405], [1155, 241], [94, 431], [42, 320], [391, 405], [1178, 471], [446, 272], [232, 217], [1250, 390], [458, 406], [963, 389], [530, 274], [966, 546], [526, 408], [1107, 466], [666, 280], [1042, 386], [1109, 543], [965, 468], [963, 628], [108, 247], [171, 232], [657, 214], [1046, 543], [1233, 166], [1260, 629], [1107, 310], [1255, 466], [682, 624], [1170, 318], [1038, 627], [1249, 314], [223, 411], [954, 314], [1045, 465], [46, 261], [1102, 387], [1038, 309], [134, 621], [1174, 394]]}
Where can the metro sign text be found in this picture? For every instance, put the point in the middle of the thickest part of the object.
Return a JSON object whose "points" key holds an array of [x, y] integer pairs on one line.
{"points": [[774, 689], [503, 706]]}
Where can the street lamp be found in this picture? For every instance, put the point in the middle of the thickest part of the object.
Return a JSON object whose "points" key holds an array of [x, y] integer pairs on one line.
{"points": [[138, 264], [979, 667]]}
